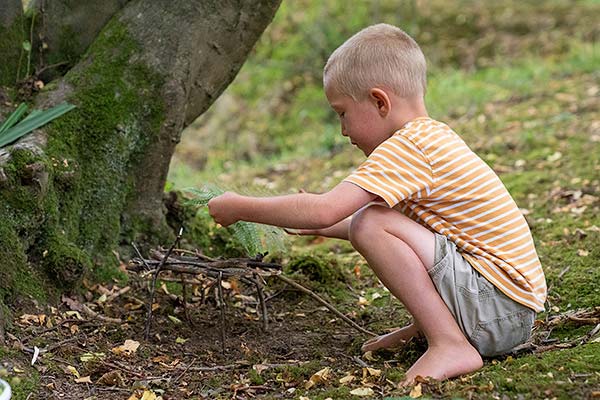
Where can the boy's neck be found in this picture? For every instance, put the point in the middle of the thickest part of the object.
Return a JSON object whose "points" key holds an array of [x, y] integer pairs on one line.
{"points": [[408, 109]]}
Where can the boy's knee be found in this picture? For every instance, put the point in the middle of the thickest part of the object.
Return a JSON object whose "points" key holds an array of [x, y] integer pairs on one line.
{"points": [[365, 223]]}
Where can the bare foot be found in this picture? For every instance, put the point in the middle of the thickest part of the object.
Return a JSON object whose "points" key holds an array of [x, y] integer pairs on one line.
{"points": [[445, 362], [391, 340]]}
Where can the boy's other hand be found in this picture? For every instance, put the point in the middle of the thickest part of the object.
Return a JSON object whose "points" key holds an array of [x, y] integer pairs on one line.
{"points": [[222, 208]]}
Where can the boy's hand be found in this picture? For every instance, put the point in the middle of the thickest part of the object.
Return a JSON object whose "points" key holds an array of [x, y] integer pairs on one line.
{"points": [[222, 208]]}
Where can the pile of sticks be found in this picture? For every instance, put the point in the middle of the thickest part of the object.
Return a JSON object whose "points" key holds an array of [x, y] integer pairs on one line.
{"points": [[248, 270]]}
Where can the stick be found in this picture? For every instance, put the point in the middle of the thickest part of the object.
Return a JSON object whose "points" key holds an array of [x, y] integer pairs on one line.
{"points": [[222, 309], [326, 304], [184, 295], [153, 288], [99, 316], [263, 305], [140, 256]]}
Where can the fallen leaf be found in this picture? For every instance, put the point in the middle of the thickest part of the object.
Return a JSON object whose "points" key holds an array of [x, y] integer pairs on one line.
{"points": [[259, 368], [73, 371], [416, 391], [180, 340], [175, 319], [127, 348], [347, 379], [363, 391], [148, 395], [318, 377], [373, 371], [85, 379], [86, 357], [111, 378], [369, 356], [583, 253]]}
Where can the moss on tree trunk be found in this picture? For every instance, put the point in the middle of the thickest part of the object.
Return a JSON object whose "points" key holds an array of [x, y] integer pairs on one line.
{"points": [[93, 179]]}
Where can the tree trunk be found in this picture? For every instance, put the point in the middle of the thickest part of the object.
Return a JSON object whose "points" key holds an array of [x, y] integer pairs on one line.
{"points": [[71, 192]]}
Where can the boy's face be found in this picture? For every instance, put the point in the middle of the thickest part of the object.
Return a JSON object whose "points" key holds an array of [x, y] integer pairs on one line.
{"points": [[361, 121]]}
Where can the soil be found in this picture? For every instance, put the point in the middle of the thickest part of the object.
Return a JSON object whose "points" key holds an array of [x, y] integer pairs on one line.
{"points": [[183, 359]]}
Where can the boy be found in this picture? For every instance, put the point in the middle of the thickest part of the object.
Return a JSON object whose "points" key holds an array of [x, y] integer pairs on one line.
{"points": [[430, 217]]}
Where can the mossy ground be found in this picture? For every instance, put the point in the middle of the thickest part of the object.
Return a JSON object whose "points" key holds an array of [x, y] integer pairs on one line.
{"points": [[524, 98]]}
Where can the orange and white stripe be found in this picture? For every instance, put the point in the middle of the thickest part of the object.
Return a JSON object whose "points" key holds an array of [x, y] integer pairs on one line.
{"points": [[426, 171]]}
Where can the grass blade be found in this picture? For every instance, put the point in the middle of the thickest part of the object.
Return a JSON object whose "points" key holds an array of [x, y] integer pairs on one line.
{"points": [[14, 117], [33, 122]]}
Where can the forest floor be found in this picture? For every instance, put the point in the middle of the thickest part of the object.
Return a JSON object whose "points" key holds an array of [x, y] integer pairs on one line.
{"points": [[530, 111]]}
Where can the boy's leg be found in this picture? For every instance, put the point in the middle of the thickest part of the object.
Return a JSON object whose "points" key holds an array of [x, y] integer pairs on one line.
{"points": [[401, 252]]}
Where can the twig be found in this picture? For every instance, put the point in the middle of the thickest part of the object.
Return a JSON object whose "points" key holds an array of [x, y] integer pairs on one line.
{"points": [[184, 371], [184, 295], [215, 368], [99, 316], [153, 288], [261, 299], [118, 293], [221, 309], [195, 253], [140, 256], [117, 365], [326, 304]]}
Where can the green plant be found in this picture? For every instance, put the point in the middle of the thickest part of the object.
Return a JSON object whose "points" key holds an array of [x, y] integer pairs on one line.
{"points": [[254, 238], [12, 129]]}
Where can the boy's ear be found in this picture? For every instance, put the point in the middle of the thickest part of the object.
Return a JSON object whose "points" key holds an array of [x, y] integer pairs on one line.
{"points": [[381, 100]]}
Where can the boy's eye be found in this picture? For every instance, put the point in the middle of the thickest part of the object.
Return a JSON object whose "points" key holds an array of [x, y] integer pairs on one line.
{"points": [[342, 114]]}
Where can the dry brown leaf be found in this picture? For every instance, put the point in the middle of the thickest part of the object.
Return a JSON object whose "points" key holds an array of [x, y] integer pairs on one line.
{"points": [[85, 379], [128, 348], [70, 369], [111, 378], [318, 377], [347, 379], [148, 395], [416, 392], [363, 391], [369, 356], [259, 368]]}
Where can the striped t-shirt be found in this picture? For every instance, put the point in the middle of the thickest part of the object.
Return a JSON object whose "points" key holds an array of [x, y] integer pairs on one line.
{"points": [[426, 171]]}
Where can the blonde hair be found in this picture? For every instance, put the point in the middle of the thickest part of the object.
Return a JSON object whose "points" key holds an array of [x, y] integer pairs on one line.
{"points": [[380, 55]]}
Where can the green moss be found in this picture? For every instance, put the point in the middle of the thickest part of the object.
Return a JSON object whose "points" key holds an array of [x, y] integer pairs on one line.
{"points": [[63, 260], [66, 215], [25, 384], [119, 112], [317, 268], [551, 374]]}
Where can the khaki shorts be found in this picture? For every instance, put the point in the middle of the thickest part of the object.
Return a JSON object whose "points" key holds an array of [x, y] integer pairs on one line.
{"points": [[491, 321]]}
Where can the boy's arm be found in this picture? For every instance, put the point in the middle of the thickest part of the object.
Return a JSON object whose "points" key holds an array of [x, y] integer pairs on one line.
{"points": [[337, 231], [300, 211]]}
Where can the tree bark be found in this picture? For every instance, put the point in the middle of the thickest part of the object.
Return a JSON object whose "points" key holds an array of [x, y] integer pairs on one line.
{"points": [[71, 192], [11, 38], [64, 29]]}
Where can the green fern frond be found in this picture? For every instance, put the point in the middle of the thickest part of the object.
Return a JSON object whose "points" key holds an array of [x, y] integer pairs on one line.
{"points": [[252, 238]]}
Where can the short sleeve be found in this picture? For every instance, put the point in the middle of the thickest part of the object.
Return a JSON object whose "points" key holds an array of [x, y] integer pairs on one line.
{"points": [[395, 171]]}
